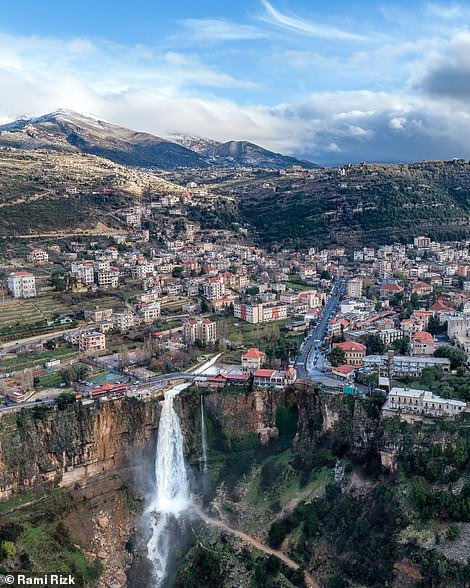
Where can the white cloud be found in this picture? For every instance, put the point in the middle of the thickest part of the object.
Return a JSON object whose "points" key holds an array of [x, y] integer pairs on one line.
{"points": [[308, 27], [215, 30], [445, 11]]}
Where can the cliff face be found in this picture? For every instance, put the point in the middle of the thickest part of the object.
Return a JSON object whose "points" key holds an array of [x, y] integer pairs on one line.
{"points": [[318, 414], [61, 447]]}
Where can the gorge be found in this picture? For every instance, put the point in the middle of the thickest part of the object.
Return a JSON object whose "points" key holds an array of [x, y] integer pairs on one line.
{"points": [[272, 452]]}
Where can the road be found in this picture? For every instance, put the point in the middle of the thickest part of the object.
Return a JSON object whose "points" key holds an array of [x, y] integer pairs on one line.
{"points": [[309, 581], [310, 360]]}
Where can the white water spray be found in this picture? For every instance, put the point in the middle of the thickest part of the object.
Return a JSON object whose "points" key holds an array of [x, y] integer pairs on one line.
{"points": [[171, 499], [203, 437], [171, 496]]}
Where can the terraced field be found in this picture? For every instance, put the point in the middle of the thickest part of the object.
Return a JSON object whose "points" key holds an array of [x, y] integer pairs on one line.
{"points": [[26, 318]]}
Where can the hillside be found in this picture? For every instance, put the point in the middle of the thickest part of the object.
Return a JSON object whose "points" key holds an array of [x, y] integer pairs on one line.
{"points": [[72, 132], [43, 191], [365, 203]]}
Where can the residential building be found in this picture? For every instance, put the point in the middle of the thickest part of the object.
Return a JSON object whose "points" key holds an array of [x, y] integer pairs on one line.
{"points": [[355, 288], [259, 313], [91, 342], [124, 320], [98, 314], [265, 378], [252, 360], [203, 330], [108, 279], [38, 256], [422, 343], [150, 311], [403, 365], [84, 271], [422, 402], [458, 330], [22, 284], [354, 352], [213, 289]]}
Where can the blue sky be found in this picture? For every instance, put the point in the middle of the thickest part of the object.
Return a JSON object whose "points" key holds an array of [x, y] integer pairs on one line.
{"points": [[332, 81]]}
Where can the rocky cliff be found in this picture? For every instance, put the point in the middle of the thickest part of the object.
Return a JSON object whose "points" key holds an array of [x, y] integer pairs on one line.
{"points": [[52, 447]]}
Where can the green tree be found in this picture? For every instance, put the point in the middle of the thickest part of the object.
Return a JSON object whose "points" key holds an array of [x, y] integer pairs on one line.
{"points": [[375, 345], [337, 356], [65, 399], [457, 356]]}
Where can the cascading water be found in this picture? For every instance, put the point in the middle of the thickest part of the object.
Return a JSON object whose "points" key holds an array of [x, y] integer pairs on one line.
{"points": [[203, 438], [171, 498]]}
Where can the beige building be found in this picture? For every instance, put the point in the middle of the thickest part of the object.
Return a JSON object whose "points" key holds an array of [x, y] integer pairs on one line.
{"points": [[91, 342], [123, 320], [252, 360], [203, 330], [98, 314], [355, 288], [150, 312], [458, 330]]}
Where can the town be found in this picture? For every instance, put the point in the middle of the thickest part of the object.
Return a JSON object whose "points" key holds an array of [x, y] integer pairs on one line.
{"points": [[91, 319]]}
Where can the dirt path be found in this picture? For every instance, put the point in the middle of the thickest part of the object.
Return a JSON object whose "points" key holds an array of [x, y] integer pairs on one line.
{"points": [[309, 581]]}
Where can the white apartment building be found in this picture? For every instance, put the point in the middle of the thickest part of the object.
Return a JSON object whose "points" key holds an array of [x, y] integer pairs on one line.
{"points": [[84, 271], [422, 402], [38, 256], [22, 284], [108, 279], [150, 312], [213, 289], [123, 320]]}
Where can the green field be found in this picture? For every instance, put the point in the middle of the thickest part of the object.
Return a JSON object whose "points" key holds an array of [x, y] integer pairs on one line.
{"points": [[28, 361]]}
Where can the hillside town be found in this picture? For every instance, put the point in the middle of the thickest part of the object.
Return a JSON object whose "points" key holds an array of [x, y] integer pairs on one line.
{"points": [[103, 317]]}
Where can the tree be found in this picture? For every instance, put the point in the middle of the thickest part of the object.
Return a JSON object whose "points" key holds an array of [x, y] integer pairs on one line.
{"points": [[65, 399], [337, 356], [435, 327], [8, 549], [458, 357], [453, 532], [401, 346], [375, 345]]}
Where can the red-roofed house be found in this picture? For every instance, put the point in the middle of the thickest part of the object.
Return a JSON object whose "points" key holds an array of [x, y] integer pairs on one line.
{"points": [[389, 290], [252, 360], [353, 351], [422, 343], [421, 288], [344, 372], [274, 378]]}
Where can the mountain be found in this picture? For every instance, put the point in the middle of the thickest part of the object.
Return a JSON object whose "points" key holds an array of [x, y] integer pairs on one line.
{"points": [[198, 144], [238, 153], [69, 131], [248, 154]]}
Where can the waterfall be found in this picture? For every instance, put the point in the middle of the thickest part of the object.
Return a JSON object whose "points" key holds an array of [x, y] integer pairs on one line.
{"points": [[203, 438], [171, 497]]}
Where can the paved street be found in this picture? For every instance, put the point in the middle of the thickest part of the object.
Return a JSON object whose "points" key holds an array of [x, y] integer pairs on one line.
{"points": [[310, 361]]}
